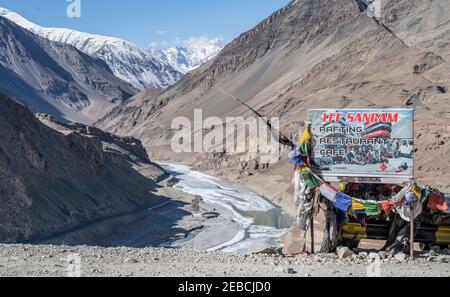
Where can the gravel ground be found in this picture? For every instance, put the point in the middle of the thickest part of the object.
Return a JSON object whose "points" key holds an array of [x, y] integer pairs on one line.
{"points": [[46, 260]]}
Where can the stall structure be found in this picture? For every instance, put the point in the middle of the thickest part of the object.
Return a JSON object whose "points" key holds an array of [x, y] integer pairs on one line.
{"points": [[359, 166]]}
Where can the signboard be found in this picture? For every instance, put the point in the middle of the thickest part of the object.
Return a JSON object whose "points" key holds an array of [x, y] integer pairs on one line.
{"points": [[363, 145]]}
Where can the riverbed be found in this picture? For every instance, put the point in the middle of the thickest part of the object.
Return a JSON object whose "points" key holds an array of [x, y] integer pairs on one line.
{"points": [[247, 222]]}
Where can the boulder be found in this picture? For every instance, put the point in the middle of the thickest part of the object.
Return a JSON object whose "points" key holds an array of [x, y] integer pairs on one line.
{"points": [[363, 255], [401, 257], [131, 261], [211, 215], [290, 271], [374, 256], [344, 252]]}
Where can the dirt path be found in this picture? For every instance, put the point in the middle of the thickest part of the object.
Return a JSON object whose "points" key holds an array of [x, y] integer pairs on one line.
{"points": [[24, 260]]}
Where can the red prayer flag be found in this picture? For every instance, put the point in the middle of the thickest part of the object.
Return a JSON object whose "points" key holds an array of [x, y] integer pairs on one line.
{"points": [[437, 202], [387, 206]]}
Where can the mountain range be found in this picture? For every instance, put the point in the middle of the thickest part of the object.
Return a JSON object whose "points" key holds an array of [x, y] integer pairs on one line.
{"points": [[56, 78], [191, 54], [152, 68], [311, 54], [99, 72]]}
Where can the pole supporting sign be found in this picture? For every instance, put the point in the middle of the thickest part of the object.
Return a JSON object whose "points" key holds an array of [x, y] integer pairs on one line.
{"points": [[363, 145]]}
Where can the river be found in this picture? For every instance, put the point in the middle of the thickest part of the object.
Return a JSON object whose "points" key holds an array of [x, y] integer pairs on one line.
{"points": [[247, 223]]}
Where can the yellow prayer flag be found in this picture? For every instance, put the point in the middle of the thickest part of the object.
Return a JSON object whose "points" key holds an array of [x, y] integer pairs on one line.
{"points": [[306, 137], [417, 191], [358, 206], [303, 169]]}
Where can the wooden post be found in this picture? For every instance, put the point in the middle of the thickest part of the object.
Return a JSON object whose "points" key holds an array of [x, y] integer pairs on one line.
{"points": [[411, 230], [329, 239], [312, 225]]}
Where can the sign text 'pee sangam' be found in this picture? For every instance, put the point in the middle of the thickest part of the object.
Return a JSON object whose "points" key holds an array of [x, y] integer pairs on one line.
{"points": [[365, 146]]}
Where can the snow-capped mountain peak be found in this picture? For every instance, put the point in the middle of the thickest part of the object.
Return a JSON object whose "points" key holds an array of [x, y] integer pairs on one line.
{"points": [[87, 43], [191, 53]]}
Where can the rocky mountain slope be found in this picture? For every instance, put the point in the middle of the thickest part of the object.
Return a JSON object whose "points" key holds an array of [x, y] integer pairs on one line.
{"points": [[56, 178], [126, 60], [314, 54], [56, 78]]}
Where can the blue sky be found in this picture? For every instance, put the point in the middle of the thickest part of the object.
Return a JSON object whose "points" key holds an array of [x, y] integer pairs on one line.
{"points": [[151, 22]]}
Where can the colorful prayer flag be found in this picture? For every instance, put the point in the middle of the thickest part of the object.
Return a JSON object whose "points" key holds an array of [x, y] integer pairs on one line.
{"points": [[411, 198], [343, 202], [357, 206], [328, 192], [437, 202], [417, 191], [306, 137], [387, 206], [310, 179], [372, 209]]}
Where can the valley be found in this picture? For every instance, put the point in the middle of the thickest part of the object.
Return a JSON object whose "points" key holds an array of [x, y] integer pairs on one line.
{"points": [[88, 166], [136, 205]]}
